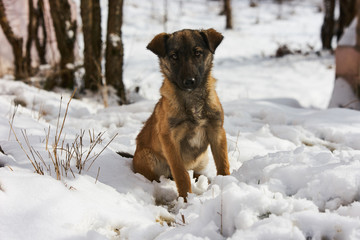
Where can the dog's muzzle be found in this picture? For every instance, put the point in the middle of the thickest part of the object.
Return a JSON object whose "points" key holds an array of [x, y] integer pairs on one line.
{"points": [[189, 83]]}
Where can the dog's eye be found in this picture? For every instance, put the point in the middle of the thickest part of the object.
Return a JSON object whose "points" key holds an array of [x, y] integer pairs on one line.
{"points": [[198, 53], [174, 56]]}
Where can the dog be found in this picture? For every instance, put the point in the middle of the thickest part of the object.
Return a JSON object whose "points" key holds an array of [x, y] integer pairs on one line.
{"points": [[188, 117]]}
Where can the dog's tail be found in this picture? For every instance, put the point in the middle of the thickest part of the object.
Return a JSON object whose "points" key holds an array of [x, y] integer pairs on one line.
{"points": [[125, 154]]}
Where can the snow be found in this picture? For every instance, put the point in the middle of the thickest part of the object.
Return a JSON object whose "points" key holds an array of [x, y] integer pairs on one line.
{"points": [[295, 165], [343, 95], [115, 39]]}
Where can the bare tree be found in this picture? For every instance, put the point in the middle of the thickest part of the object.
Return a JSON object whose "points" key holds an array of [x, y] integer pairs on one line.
{"points": [[280, 4], [31, 35], [228, 14], [252, 3], [16, 43], [327, 29], [347, 14], [114, 49], [358, 25], [165, 17], [65, 31], [357, 5], [91, 20], [40, 43]]}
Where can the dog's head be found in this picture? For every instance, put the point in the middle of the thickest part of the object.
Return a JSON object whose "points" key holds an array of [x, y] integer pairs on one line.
{"points": [[186, 56]]}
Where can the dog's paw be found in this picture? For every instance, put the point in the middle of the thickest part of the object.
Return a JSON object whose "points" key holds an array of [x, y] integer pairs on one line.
{"points": [[200, 186], [165, 191]]}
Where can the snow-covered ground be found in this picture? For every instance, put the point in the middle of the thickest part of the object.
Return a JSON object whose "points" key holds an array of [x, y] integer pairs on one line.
{"points": [[295, 164]]}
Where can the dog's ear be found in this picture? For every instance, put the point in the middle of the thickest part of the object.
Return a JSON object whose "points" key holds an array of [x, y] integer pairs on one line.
{"points": [[158, 44], [212, 38]]}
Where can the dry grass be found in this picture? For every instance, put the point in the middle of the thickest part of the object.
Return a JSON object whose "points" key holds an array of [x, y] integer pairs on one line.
{"points": [[64, 156], [37, 166], [221, 213], [169, 221], [12, 117]]}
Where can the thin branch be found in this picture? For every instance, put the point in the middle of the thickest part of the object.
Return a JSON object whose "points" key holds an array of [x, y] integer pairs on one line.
{"points": [[97, 176], [102, 150], [12, 117], [27, 155]]}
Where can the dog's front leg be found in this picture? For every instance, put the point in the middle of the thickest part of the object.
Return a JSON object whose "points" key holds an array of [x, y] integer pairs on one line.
{"points": [[177, 168], [217, 139]]}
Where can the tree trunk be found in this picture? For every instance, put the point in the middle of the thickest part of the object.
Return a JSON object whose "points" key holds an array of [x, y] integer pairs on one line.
{"points": [[40, 25], [16, 44], [91, 19], [228, 14], [280, 4], [65, 31], [31, 35], [358, 25], [357, 5], [327, 29], [165, 17], [115, 50], [347, 14]]}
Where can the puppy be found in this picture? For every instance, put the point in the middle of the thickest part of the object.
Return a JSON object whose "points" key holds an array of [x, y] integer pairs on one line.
{"points": [[189, 116]]}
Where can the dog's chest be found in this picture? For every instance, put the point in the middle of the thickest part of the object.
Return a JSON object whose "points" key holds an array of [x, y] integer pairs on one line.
{"points": [[194, 141], [191, 122], [197, 135]]}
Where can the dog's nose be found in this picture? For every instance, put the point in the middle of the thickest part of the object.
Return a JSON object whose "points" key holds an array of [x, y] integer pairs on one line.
{"points": [[189, 83]]}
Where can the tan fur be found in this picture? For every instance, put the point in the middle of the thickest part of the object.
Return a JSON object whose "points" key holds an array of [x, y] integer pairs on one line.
{"points": [[169, 150]]}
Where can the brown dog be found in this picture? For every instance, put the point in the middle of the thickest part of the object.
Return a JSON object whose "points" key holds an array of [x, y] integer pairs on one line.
{"points": [[189, 116]]}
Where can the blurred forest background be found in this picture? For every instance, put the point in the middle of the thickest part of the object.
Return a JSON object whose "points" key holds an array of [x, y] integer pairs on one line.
{"points": [[59, 43]]}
